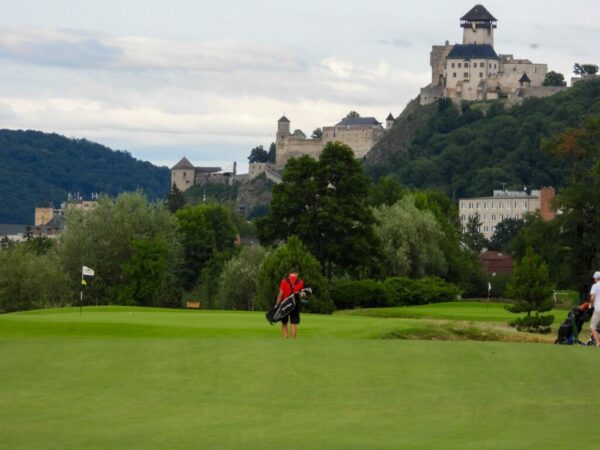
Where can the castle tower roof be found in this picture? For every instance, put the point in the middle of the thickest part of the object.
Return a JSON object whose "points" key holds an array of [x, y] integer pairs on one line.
{"points": [[284, 119], [357, 122], [478, 14], [390, 117], [184, 163]]}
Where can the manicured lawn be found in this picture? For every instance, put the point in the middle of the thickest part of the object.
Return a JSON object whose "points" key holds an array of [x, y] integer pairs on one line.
{"points": [[145, 379], [474, 311]]}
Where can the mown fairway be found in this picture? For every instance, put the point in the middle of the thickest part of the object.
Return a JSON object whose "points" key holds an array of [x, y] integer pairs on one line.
{"points": [[142, 378]]}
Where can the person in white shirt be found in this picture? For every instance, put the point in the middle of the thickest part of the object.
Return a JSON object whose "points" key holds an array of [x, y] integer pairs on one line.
{"points": [[595, 301]]}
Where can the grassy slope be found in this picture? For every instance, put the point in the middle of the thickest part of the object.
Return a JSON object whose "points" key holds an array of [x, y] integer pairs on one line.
{"points": [[188, 379], [492, 312]]}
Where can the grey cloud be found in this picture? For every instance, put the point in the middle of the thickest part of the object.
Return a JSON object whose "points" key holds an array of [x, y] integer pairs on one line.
{"points": [[84, 53]]}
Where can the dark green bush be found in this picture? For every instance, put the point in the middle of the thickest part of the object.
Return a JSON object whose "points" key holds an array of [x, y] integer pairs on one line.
{"points": [[408, 291], [348, 294]]}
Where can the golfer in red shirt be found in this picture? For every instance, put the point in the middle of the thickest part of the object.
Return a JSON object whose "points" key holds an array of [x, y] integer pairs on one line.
{"points": [[288, 286]]}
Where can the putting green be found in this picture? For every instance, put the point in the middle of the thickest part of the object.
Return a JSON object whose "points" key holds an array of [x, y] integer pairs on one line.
{"points": [[145, 378]]}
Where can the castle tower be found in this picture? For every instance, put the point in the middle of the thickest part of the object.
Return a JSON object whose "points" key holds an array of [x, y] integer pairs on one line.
{"points": [[478, 26], [283, 128], [183, 174], [389, 121]]}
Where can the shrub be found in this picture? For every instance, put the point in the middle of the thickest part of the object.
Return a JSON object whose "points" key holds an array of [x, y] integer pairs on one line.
{"points": [[408, 291], [347, 294]]}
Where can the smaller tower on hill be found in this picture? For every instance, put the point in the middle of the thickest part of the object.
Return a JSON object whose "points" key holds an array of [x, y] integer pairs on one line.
{"points": [[389, 121], [478, 26], [283, 128]]}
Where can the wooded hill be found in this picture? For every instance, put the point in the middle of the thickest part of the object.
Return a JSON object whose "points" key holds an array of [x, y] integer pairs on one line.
{"points": [[36, 168], [474, 148]]}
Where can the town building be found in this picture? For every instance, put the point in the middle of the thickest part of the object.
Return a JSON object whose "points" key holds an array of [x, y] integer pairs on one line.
{"points": [[473, 70], [50, 221], [505, 204], [184, 175]]}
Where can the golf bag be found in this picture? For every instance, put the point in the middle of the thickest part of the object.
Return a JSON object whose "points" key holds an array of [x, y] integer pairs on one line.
{"points": [[285, 308], [569, 330]]}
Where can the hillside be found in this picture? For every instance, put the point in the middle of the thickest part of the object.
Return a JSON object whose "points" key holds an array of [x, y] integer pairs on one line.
{"points": [[37, 167], [475, 148]]}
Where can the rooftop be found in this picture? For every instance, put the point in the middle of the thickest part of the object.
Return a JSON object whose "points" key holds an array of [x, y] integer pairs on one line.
{"points": [[479, 13], [184, 163], [357, 121], [284, 119], [472, 51]]}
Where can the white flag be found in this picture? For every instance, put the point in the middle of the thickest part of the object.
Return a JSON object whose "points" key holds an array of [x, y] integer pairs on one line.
{"points": [[87, 271], [489, 286]]}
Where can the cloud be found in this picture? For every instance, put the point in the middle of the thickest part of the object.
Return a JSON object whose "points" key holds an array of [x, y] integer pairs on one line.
{"points": [[396, 42], [85, 50]]}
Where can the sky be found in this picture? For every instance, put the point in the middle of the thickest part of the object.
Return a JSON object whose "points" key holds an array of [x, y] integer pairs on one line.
{"points": [[209, 79]]}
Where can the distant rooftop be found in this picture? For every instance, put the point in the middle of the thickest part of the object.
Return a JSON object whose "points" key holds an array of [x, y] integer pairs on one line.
{"points": [[472, 51], [184, 163], [478, 13], [283, 119], [357, 121]]}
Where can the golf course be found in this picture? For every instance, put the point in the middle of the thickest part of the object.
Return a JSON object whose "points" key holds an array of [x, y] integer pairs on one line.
{"points": [[449, 375]]}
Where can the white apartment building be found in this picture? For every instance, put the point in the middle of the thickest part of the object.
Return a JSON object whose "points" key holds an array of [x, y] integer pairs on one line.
{"points": [[505, 204]]}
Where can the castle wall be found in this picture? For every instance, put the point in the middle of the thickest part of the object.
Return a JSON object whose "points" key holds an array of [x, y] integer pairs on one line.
{"points": [[437, 60]]}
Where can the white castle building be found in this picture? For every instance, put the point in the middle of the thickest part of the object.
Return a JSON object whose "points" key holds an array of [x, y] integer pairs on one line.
{"points": [[474, 71]]}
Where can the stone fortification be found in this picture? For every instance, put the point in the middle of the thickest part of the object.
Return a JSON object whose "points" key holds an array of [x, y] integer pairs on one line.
{"points": [[474, 71], [359, 133]]}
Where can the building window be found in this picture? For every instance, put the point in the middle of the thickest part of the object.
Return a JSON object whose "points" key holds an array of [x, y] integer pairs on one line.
{"points": [[484, 205], [494, 65], [452, 65], [466, 65], [481, 64], [184, 174], [466, 74], [454, 75], [480, 74]]}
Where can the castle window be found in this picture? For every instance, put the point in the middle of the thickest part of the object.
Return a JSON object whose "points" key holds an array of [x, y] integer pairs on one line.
{"points": [[466, 74], [452, 65], [454, 75], [494, 65], [459, 65], [482, 64], [480, 74], [466, 65], [184, 174]]}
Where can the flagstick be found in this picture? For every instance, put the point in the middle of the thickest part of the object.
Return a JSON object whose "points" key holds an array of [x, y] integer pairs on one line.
{"points": [[81, 295]]}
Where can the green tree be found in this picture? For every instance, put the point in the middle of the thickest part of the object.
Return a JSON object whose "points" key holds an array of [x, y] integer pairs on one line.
{"points": [[505, 231], [532, 289], [4, 242], [103, 239], [554, 79], [147, 280], [386, 191], [175, 199], [39, 245], [585, 70], [272, 153], [277, 265], [32, 281], [258, 155], [578, 149], [299, 133], [207, 230], [412, 239], [352, 114], [28, 233], [238, 281], [317, 133], [325, 204], [472, 236]]}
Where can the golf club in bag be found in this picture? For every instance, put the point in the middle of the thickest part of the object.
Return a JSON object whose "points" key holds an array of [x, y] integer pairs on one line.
{"points": [[285, 307]]}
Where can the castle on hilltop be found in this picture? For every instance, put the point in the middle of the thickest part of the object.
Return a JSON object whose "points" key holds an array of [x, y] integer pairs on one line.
{"points": [[474, 71], [359, 133]]}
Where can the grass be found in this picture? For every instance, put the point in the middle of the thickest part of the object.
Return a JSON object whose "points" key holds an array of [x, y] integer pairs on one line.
{"points": [[150, 378]]}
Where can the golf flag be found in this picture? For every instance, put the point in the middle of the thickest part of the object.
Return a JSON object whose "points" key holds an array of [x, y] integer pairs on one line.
{"points": [[489, 287], [83, 282], [87, 271]]}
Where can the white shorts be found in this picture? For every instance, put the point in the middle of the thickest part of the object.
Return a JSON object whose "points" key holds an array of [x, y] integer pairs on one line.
{"points": [[595, 320]]}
